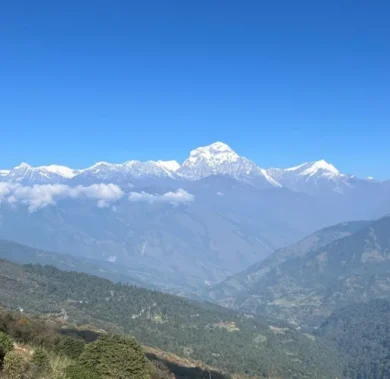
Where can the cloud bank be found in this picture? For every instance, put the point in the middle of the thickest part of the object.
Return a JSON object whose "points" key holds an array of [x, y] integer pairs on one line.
{"points": [[41, 196], [179, 197]]}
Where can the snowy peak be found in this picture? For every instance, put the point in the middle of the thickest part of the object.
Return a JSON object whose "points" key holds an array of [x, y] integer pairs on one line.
{"points": [[168, 165], [22, 166], [217, 147], [214, 159], [125, 172], [219, 159], [100, 166], [214, 154], [63, 171], [165, 165], [29, 175], [316, 168], [150, 168], [320, 167], [312, 177]]}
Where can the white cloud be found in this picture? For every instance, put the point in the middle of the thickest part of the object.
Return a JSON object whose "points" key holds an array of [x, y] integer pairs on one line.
{"points": [[179, 197], [103, 193], [40, 196], [5, 190]]}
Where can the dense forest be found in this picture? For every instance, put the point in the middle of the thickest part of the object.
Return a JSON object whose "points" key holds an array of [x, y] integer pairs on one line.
{"points": [[234, 342], [362, 332]]}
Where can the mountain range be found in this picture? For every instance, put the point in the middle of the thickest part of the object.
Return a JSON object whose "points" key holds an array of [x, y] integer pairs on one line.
{"points": [[215, 159], [180, 227], [216, 228]]}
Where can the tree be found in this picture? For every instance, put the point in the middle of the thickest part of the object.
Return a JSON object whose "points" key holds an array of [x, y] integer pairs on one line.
{"points": [[71, 346], [40, 363], [6, 346], [79, 372], [116, 356], [15, 365]]}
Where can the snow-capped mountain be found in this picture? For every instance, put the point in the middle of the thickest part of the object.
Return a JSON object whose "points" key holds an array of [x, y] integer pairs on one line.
{"points": [[171, 166], [238, 212], [316, 178], [312, 177], [128, 171], [65, 172], [29, 175], [219, 159], [100, 172]]}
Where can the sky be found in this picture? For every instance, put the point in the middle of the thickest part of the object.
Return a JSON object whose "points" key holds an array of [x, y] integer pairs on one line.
{"points": [[281, 82]]}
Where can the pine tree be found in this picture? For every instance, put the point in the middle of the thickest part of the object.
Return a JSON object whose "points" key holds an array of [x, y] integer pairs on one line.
{"points": [[116, 356]]}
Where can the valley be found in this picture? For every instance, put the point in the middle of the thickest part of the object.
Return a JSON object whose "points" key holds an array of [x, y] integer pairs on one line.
{"points": [[254, 265], [180, 227], [194, 189]]}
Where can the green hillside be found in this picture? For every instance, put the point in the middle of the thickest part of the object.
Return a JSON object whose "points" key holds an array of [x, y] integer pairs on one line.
{"points": [[362, 332], [304, 285], [242, 282], [221, 338], [42, 347]]}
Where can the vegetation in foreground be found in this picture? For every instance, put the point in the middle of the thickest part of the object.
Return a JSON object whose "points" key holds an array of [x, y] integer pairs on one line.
{"points": [[41, 348]]}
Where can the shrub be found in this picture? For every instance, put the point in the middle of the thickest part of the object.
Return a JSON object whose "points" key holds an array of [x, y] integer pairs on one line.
{"points": [[40, 363], [71, 346], [6, 346], [80, 372], [58, 365], [15, 365], [116, 356]]}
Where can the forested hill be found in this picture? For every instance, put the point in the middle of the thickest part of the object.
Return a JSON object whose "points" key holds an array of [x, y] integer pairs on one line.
{"points": [[306, 286], [362, 332], [221, 338], [243, 282]]}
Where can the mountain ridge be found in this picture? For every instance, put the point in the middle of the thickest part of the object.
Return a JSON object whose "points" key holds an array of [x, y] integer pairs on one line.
{"points": [[305, 286], [215, 159], [190, 226]]}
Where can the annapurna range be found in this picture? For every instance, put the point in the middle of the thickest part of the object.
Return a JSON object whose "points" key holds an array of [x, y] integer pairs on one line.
{"points": [[180, 226], [215, 159]]}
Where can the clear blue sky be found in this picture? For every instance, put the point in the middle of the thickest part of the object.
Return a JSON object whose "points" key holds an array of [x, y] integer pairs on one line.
{"points": [[282, 82]]}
